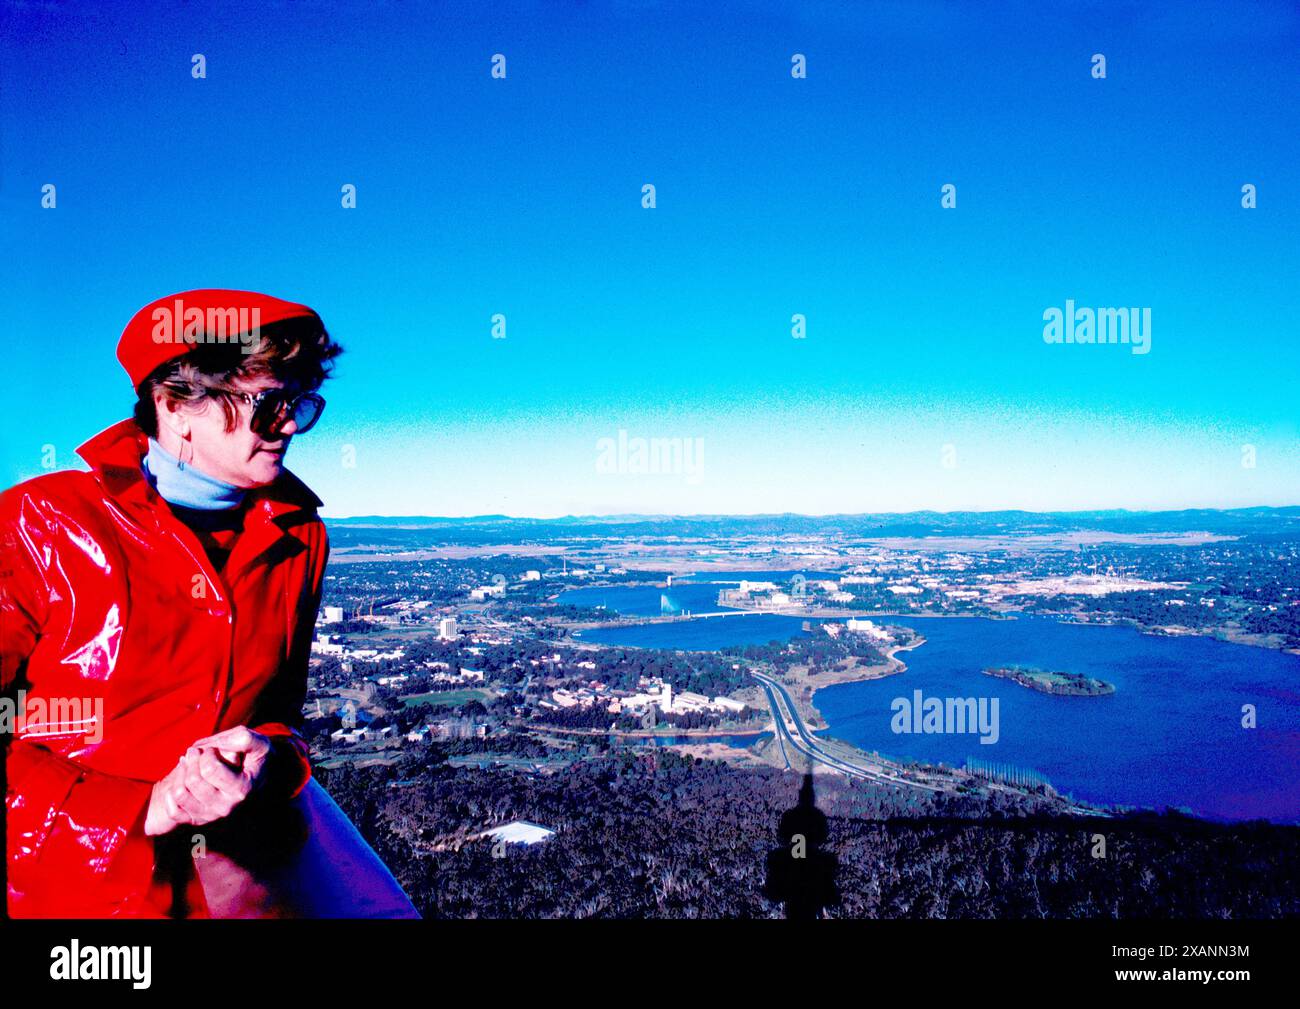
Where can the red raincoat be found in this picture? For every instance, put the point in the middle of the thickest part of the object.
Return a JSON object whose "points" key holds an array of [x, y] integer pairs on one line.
{"points": [[107, 599]]}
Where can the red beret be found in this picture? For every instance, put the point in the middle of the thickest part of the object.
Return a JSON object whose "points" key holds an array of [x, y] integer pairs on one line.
{"points": [[170, 326]]}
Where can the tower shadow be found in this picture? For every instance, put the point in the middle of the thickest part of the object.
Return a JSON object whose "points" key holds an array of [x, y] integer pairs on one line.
{"points": [[800, 875]]}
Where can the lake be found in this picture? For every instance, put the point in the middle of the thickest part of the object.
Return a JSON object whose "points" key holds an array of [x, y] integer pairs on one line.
{"points": [[701, 634], [1170, 735], [696, 592], [646, 600]]}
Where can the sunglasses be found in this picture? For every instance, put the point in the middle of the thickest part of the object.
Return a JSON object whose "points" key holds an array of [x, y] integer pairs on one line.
{"points": [[273, 408]]}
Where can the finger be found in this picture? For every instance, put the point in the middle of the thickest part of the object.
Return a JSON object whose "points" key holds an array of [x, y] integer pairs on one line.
{"points": [[234, 759], [216, 739], [219, 776], [199, 800], [174, 795], [189, 808], [171, 807], [197, 785], [205, 807], [239, 738]]}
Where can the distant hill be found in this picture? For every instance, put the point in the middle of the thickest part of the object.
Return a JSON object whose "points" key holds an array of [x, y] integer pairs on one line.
{"points": [[1244, 522]]}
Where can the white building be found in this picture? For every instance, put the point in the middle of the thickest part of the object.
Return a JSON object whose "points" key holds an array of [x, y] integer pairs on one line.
{"points": [[663, 699], [868, 628], [332, 614], [689, 701], [447, 629], [519, 832], [375, 655], [532, 576]]}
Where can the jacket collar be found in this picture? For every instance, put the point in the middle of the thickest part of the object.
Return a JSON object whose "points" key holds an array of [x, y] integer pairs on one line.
{"points": [[115, 456]]}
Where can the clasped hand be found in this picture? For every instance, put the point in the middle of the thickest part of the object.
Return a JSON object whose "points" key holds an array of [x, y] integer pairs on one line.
{"points": [[213, 776]]}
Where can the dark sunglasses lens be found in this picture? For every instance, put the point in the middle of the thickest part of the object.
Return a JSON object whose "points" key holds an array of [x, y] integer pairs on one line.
{"points": [[273, 413], [269, 415], [308, 412]]}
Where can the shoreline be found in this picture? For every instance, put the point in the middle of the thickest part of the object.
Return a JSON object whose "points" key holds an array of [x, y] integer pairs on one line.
{"points": [[893, 666], [1152, 630], [1245, 638], [645, 733]]}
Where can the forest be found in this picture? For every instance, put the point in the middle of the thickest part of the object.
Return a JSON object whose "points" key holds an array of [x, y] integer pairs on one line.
{"points": [[658, 835]]}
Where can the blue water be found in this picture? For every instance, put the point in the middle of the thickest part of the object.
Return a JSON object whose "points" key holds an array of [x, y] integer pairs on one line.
{"points": [[703, 634], [695, 596], [644, 600], [1170, 735], [739, 741]]}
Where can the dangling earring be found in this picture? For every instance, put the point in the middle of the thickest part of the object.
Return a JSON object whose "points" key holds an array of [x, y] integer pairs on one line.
{"points": [[187, 450]]}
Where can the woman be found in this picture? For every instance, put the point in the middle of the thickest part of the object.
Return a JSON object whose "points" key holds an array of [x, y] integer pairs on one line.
{"points": [[156, 615]]}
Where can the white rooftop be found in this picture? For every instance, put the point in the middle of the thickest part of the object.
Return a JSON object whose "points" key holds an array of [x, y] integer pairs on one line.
{"points": [[520, 831]]}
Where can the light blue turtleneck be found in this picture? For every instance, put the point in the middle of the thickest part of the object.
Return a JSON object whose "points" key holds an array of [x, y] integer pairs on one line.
{"points": [[181, 484]]}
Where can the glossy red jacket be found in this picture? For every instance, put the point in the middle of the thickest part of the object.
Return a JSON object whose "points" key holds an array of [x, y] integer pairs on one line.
{"points": [[106, 597]]}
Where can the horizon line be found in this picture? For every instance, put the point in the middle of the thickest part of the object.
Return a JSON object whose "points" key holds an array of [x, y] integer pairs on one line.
{"points": [[645, 516]]}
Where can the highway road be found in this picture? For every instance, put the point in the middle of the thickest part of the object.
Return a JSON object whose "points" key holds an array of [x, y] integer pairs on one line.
{"points": [[792, 734]]}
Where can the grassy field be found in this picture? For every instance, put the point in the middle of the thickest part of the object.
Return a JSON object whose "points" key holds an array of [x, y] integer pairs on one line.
{"points": [[447, 698]]}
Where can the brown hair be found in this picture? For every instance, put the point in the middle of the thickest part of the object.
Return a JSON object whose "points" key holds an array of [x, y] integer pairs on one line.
{"points": [[297, 351]]}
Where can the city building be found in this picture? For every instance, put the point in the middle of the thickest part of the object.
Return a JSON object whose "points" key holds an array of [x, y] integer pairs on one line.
{"points": [[868, 628], [375, 655]]}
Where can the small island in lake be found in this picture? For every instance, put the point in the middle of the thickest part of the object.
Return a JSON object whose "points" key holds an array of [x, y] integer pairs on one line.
{"points": [[1049, 682]]}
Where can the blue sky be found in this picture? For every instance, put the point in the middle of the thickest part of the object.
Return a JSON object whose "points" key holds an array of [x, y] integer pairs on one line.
{"points": [[923, 380]]}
